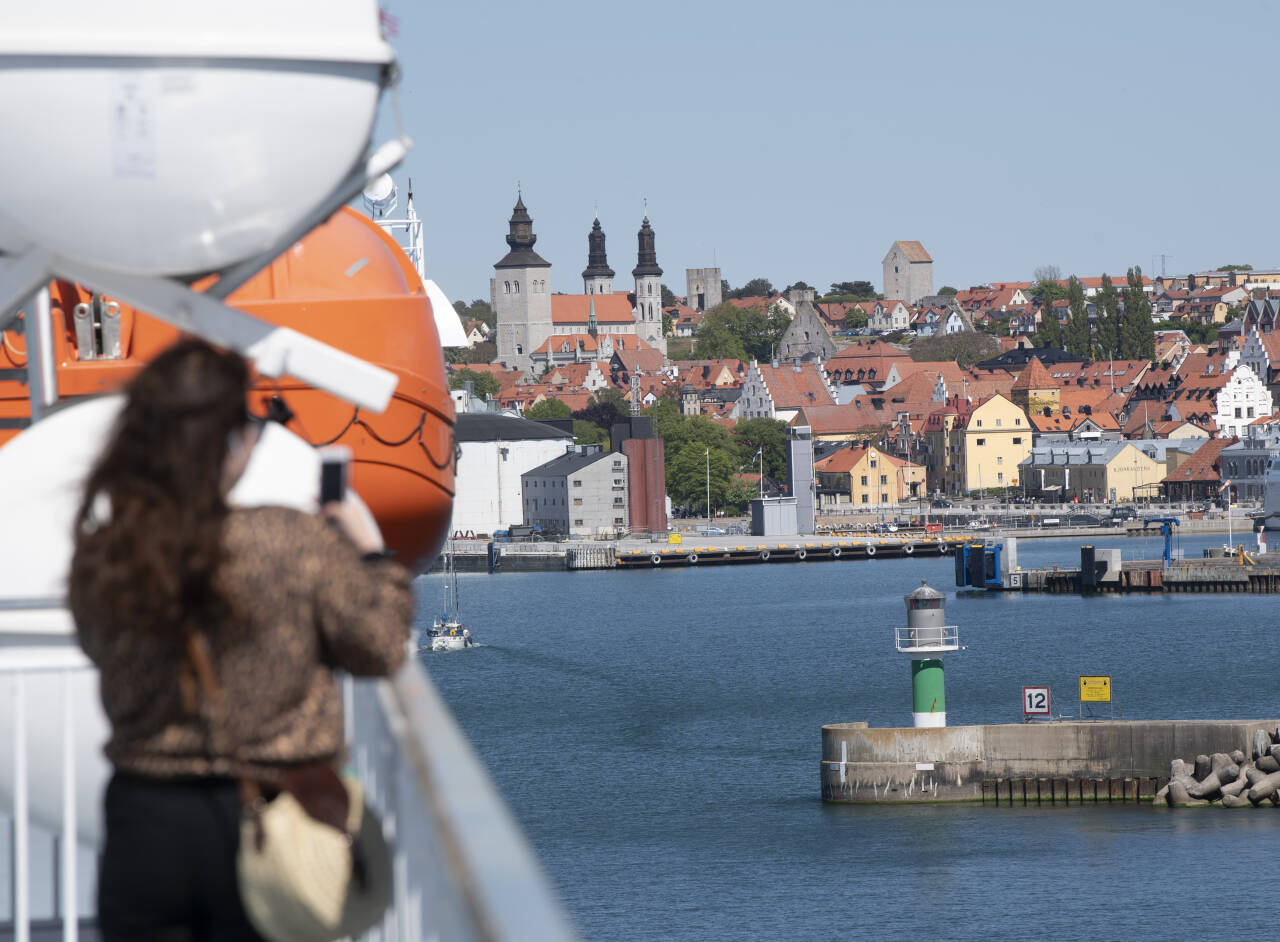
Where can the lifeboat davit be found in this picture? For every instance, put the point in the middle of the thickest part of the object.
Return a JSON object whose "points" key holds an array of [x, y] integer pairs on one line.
{"points": [[347, 283]]}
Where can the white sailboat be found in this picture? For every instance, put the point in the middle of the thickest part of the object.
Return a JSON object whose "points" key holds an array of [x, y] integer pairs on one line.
{"points": [[447, 632]]}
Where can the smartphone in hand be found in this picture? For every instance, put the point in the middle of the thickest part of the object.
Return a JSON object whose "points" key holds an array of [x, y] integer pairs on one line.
{"points": [[335, 462]]}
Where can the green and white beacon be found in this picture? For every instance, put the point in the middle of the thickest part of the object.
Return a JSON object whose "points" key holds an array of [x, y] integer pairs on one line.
{"points": [[926, 638]]}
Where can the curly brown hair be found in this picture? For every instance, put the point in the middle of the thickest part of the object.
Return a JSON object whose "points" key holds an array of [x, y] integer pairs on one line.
{"points": [[149, 532]]}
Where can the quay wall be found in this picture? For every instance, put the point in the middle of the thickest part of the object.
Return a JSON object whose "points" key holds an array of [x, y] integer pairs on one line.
{"points": [[901, 765]]}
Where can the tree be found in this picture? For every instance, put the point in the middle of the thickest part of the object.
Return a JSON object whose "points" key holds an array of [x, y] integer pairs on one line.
{"points": [[742, 333], [1234, 268], [965, 348], [799, 285], [668, 297], [751, 435], [1106, 341], [668, 324], [484, 352], [854, 290], [1137, 334], [588, 433], [1050, 332], [687, 476], [606, 408], [755, 288], [725, 291], [548, 409], [482, 384], [1048, 289], [1047, 273], [477, 310], [948, 291], [1077, 333]]}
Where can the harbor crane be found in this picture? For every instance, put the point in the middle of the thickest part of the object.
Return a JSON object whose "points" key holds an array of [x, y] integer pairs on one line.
{"points": [[1166, 530]]}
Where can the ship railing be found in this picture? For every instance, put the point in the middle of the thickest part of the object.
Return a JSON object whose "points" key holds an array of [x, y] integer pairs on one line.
{"points": [[462, 869]]}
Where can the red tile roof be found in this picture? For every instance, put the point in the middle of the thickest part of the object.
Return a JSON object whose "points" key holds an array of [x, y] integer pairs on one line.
{"points": [[1203, 465], [914, 251], [1035, 376], [792, 388], [571, 309]]}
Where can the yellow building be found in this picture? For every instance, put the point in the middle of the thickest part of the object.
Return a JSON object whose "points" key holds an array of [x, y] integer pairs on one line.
{"points": [[867, 477], [990, 445], [1095, 471]]}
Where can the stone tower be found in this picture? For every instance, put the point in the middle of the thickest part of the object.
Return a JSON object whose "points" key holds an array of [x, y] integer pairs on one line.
{"points": [[521, 293], [648, 309], [908, 272], [597, 277], [702, 288], [806, 338]]}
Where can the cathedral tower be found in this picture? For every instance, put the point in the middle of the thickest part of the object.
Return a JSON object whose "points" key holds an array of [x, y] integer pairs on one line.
{"points": [[648, 309], [521, 293], [597, 277]]}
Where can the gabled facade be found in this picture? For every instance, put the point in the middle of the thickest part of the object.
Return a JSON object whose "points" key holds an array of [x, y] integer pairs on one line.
{"points": [[779, 392], [889, 315], [867, 478], [806, 338], [1241, 400], [1101, 471], [992, 443]]}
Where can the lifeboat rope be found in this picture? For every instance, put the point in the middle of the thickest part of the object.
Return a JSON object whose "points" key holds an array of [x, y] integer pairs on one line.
{"points": [[415, 432]]}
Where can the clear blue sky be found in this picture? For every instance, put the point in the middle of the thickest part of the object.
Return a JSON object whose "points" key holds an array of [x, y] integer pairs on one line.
{"points": [[799, 140]]}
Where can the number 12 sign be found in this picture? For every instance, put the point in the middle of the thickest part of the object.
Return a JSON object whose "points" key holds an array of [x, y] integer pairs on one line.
{"points": [[1035, 701]]}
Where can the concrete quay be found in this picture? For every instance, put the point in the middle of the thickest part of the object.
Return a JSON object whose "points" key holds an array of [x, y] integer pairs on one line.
{"points": [[1023, 763]]}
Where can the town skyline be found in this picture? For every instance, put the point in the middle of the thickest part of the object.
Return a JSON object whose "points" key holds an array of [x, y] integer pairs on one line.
{"points": [[796, 145]]}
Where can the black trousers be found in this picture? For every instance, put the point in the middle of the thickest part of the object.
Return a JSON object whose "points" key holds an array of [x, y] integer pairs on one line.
{"points": [[168, 870]]}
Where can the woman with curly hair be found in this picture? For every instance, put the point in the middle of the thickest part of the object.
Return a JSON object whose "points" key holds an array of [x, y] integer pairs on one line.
{"points": [[280, 597]]}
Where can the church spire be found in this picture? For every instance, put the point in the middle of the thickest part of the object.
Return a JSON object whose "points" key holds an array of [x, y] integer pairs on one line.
{"points": [[593, 327], [521, 238], [597, 262], [647, 258]]}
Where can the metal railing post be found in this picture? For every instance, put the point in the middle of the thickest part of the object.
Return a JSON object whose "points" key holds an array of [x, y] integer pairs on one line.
{"points": [[70, 892], [42, 373], [21, 826]]}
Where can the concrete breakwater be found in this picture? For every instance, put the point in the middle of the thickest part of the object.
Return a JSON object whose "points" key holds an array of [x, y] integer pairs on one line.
{"points": [[1043, 762]]}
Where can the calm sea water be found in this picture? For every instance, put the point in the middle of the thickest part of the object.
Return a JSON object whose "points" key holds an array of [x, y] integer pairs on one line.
{"points": [[658, 735]]}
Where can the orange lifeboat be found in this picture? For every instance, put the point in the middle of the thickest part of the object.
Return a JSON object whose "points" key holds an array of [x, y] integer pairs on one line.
{"points": [[347, 283]]}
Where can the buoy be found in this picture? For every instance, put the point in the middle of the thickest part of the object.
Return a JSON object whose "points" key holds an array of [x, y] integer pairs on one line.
{"points": [[835, 553], [764, 555], [693, 558], [909, 549], [801, 554], [871, 550], [656, 559]]}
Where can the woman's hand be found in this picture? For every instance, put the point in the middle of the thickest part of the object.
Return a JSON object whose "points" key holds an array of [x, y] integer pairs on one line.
{"points": [[356, 522]]}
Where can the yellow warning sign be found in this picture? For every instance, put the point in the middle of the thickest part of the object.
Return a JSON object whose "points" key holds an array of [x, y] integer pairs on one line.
{"points": [[1095, 689]]}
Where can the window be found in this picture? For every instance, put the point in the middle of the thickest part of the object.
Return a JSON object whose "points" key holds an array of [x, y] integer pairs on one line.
{"points": [[864, 496], [519, 349], [1238, 412], [577, 502], [979, 423], [1017, 441], [998, 421], [981, 441], [506, 287], [1017, 421], [864, 480], [999, 459], [577, 523], [516, 287], [884, 498], [617, 521], [884, 479], [577, 482], [1000, 477]]}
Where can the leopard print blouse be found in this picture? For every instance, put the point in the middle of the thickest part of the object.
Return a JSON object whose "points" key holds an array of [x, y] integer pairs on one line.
{"points": [[304, 603]]}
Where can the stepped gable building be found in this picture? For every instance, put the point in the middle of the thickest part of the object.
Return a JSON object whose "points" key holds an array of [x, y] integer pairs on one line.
{"points": [[908, 272], [531, 318]]}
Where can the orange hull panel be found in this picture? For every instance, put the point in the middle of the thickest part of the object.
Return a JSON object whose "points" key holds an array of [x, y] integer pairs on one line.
{"points": [[346, 283]]}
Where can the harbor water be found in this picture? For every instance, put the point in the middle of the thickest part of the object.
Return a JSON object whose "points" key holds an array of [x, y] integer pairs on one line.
{"points": [[657, 734]]}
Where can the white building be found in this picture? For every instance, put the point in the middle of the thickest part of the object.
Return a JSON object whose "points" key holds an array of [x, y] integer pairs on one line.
{"points": [[494, 451], [1244, 398]]}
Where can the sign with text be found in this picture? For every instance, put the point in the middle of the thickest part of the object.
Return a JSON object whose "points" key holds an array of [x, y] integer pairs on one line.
{"points": [[1095, 689], [1035, 701]]}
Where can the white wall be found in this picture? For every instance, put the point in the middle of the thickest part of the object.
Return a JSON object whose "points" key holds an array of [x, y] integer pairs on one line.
{"points": [[489, 496]]}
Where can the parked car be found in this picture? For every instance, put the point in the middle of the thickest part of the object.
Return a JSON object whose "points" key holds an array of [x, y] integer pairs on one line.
{"points": [[735, 530], [941, 502], [711, 531]]}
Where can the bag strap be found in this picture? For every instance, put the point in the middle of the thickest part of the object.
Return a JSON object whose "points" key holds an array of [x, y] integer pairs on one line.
{"points": [[207, 677]]}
